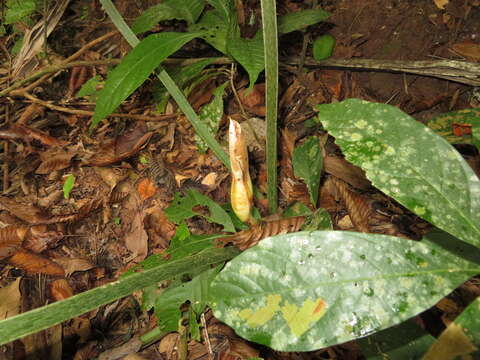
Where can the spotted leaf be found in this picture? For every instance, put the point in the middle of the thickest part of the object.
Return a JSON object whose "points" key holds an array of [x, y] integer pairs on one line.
{"points": [[308, 290], [409, 162]]}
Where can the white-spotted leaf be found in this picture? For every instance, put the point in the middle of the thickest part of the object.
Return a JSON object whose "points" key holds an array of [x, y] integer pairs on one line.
{"points": [[135, 69], [409, 162], [308, 290]]}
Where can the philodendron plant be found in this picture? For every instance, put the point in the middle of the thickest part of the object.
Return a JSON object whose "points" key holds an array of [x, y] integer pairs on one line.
{"points": [[308, 290]]}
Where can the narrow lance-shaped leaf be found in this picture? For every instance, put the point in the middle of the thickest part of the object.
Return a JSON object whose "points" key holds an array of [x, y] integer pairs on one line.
{"points": [[408, 162], [300, 19], [135, 68], [308, 290]]}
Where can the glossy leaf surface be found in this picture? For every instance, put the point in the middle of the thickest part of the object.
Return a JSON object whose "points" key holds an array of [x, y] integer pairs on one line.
{"points": [[188, 10], [404, 341], [300, 19], [307, 163], [135, 68], [308, 290], [249, 53], [407, 161]]}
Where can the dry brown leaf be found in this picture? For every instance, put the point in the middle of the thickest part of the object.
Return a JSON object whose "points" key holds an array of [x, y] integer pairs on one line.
{"points": [[342, 169], [247, 238], [60, 289], [53, 162], [11, 296], [24, 133], [468, 49], [254, 100], [146, 188], [35, 264], [357, 207], [132, 220], [40, 238], [441, 3], [122, 147], [70, 265], [11, 238], [31, 111], [27, 212]]}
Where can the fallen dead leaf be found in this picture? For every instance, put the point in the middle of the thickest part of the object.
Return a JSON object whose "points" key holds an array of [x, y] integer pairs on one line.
{"points": [[60, 289], [70, 265], [468, 49], [35, 264], [11, 296], [441, 3]]}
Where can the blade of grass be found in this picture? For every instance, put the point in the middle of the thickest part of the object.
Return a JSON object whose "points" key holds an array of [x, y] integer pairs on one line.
{"points": [[270, 39], [172, 88], [41, 318]]}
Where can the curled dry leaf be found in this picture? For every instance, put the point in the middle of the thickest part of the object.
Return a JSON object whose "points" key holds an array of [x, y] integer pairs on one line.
{"points": [[29, 213], [11, 238], [357, 207], [122, 147], [24, 133], [247, 238], [53, 162], [35, 264], [468, 49], [60, 289], [39, 238], [70, 265]]}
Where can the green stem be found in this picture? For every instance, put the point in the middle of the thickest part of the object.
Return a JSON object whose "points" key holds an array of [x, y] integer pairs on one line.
{"points": [[170, 85], [41, 318], [270, 38]]}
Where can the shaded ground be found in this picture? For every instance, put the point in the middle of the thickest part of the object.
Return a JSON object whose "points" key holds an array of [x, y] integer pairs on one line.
{"points": [[114, 216]]}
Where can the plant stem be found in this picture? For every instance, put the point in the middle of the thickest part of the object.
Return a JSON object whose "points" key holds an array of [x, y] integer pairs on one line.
{"points": [[270, 38], [170, 85], [41, 318]]}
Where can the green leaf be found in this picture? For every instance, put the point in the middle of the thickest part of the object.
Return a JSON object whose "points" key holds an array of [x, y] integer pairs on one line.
{"points": [[135, 69], [407, 161], [38, 319], [167, 304], [319, 220], [211, 114], [226, 8], [90, 88], [443, 124], [214, 29], [68, 186], [188, 10], [297, 209], [308, 290], [182, 75], [460, 338], [19, 9], [249, 53], [300, 19], [323, 47], [181, 209], [307, 164], [404, 341]]}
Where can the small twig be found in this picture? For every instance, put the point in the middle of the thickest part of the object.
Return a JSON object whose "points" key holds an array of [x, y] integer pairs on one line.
{"points": [[90, 113], [206, 337], [63, 65]]}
